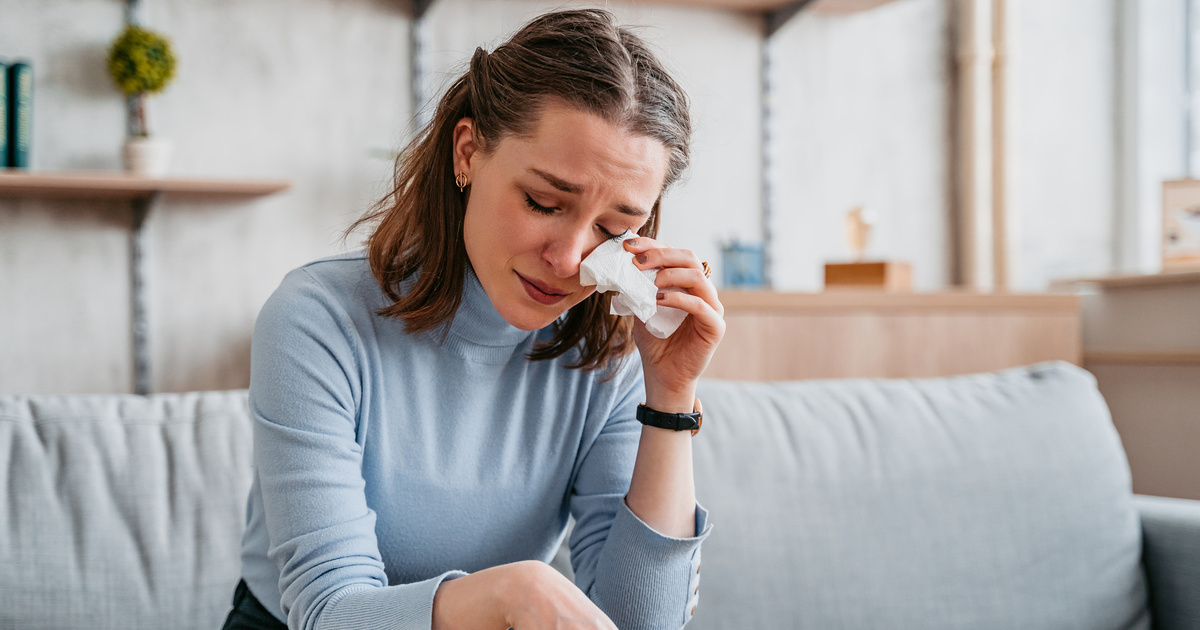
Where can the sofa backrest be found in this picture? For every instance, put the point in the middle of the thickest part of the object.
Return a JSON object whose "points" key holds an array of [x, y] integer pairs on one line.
{"points": [[121, 511], [985, 501]]}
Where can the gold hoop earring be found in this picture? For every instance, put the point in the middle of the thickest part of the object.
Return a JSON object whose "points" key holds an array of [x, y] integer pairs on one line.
{"points": [[460, 180]]}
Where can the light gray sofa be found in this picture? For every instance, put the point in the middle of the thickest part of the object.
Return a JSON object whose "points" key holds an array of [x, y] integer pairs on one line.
{"points": [[989, 501]]}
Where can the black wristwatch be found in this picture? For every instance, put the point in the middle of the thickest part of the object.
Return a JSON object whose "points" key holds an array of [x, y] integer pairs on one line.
{"points": [[673, 421]]}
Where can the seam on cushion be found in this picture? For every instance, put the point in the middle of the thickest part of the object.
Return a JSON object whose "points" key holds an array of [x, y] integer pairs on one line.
{"points": [[76, 419]]}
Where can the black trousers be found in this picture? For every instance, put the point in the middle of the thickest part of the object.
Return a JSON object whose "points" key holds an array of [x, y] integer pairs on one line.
{"points": [[249, 614]]}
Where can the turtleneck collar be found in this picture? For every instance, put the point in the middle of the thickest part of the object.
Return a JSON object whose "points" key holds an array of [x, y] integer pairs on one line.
{"points": [[478, 328]]}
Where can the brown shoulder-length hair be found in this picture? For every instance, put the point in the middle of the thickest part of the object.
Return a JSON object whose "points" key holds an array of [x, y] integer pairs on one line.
{"points": [[581, 57]]}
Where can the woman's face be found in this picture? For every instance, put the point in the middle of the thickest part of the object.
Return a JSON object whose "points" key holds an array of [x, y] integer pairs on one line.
{"points": [[540, 204]]}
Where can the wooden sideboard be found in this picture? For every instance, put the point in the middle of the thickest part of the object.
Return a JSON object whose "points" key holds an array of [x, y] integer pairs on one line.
{"points": [[783, 336], [1142, 341]]}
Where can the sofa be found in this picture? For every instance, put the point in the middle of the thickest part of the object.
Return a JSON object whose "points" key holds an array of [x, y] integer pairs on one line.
{"points": [[988, 501]]}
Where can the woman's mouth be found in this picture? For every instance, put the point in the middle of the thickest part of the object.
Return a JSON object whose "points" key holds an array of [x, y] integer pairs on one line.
{"points": [[541, 293]]}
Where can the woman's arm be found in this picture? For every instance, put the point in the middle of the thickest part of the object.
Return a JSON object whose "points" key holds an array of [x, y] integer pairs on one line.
{"points": [[636, 544], [662, 492], [320, 532], [519, 595]]}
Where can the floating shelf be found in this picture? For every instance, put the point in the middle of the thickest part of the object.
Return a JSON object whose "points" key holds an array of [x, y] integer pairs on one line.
{"points": [[819, 6], [118, 185]]}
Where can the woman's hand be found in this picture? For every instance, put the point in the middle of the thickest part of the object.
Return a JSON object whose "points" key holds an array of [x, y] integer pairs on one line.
{"points": [[526, 595], [673, 365]]}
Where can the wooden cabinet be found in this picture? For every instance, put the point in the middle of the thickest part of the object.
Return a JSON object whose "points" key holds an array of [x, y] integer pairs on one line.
{"points": [[1141, 338], [781, 336]]}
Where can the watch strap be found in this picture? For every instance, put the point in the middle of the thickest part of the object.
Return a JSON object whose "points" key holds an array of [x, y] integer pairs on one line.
{"points": [[672, 421]]}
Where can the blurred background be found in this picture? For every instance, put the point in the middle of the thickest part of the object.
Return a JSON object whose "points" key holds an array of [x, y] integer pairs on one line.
{"points": [[995, 149]]}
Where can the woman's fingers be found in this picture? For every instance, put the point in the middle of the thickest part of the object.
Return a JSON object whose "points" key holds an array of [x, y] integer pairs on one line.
{"points": [[691, 280], [677, 268], [706, 317], [651, 254]]}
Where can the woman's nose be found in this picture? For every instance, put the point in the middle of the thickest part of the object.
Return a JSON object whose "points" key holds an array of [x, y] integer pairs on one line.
{"points": [[567, 250]]}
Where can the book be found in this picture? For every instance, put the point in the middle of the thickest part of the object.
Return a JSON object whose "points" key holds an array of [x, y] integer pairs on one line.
{"points": [[20, 113], [3, 114]]}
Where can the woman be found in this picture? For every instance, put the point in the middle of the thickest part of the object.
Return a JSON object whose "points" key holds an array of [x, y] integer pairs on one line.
{"points": [[429, 412]]}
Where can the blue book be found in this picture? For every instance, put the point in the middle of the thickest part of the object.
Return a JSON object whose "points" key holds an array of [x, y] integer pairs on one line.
{"points": [[20, 113], [4, 114]]}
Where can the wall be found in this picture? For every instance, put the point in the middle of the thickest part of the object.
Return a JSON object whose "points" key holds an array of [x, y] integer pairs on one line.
{"points": [[1157, 130], [302, 90], [1100, 125], [1065, 132], [862, 116]]}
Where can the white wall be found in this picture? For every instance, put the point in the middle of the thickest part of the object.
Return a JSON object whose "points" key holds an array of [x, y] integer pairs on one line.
{"points": [[1066, 115], [862, 113], [1159, 131], [299, 90]]}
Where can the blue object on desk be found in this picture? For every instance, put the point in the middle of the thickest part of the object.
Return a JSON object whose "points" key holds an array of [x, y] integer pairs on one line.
{"points": [[742, 265]]}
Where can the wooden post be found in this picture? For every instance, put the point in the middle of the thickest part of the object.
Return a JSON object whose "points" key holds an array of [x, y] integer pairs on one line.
{"points": [[974, 144]]}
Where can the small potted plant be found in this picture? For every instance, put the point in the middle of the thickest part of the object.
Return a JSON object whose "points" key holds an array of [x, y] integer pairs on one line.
{"points": [[142, 63]]}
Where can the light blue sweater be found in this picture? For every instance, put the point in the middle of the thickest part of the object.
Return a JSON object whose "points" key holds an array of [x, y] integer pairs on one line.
{"points": [[388, 462]]}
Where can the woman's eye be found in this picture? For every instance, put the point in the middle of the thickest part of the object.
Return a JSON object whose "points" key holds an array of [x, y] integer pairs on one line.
{"points": [[609, 235], [537, 207]]}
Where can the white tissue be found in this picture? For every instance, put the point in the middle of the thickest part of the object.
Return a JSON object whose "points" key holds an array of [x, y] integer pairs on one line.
{"points": [[611, 268]]}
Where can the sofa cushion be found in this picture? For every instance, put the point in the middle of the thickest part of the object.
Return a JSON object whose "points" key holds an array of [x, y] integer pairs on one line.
{"points": [[985, 501], [122, 511]]}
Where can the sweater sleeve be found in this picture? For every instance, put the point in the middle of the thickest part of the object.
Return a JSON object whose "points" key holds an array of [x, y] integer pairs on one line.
{"points": [[640, 578], [305, 389]]}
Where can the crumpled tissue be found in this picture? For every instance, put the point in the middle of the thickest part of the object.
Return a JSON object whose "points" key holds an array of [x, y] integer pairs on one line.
{"points": [[611, 268]]}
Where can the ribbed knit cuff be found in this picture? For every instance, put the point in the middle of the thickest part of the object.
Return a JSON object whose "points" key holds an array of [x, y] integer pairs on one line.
{"points": [[398, 607], [645, 579]]}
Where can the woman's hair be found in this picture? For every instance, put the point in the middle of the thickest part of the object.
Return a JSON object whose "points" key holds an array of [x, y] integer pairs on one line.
{"points": [[582, 58]]}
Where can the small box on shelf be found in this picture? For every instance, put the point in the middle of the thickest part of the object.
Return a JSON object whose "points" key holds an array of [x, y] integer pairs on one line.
{"points": [[877, 275]]}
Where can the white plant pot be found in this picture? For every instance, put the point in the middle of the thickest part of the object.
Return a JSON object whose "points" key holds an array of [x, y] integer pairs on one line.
{"points": [[148, 156]]}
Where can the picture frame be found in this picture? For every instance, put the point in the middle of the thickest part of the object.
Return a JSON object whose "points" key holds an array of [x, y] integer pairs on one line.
{"points": [[1181, 225]]}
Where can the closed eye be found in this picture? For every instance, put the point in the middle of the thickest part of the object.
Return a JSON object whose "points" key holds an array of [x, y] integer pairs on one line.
{"points": [[539, 208], [608, 235]]}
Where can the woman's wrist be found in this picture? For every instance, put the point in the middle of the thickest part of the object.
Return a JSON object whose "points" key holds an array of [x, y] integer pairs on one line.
{"points": [[671, 400], [472, 601]]}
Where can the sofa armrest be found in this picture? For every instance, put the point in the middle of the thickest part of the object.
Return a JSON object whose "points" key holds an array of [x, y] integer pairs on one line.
{"points": [[1171, 554]]}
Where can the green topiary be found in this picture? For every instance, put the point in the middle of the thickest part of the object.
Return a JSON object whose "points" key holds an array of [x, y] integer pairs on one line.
{"points": [[141, 61]]}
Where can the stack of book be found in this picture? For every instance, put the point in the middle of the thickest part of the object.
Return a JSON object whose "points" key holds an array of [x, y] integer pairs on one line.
{"points": [[16, 110]]}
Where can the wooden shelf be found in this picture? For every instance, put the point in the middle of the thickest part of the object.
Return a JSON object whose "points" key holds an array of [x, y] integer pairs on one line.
{"points": [[1132, 281], [119, 185], [816, 6]]}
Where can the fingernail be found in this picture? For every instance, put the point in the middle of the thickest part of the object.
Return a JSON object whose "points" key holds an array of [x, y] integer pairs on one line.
{"points": [[641, 258], [661, 295], [631, 241]]}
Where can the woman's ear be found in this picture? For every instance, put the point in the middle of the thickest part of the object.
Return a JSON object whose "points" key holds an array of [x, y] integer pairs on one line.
{"points": [[464, 146]]}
